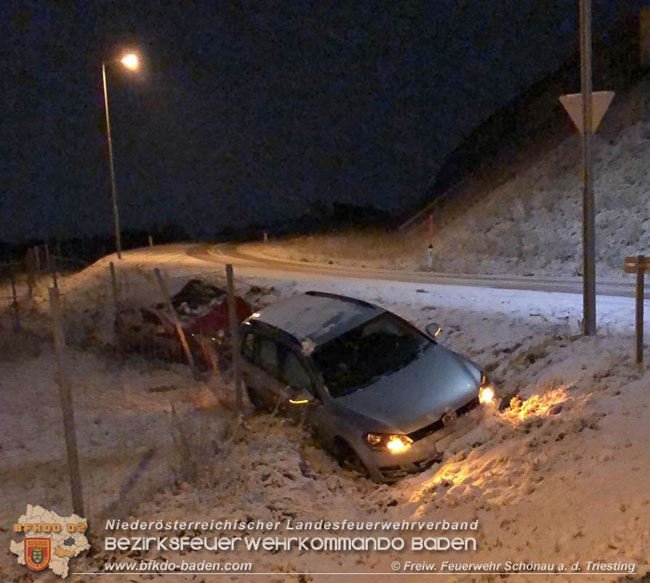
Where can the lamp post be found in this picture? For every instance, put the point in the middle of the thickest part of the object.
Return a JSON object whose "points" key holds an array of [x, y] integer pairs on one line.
{"points": [[130, 61]]}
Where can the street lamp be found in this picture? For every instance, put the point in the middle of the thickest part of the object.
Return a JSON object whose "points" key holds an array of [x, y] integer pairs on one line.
{"points": [[129, 61]]}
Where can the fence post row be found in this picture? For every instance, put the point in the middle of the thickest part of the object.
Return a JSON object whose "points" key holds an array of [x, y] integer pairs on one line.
{"points": [[65, 395], [174, 316], [234, 337]]}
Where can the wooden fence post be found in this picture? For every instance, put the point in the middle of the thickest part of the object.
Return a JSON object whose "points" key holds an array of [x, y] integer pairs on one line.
{"points": [[638, 264], [116, 301], [174, 316], [37, 257], [234, 337], [150, 241], [66, 403], [50, 264], [114, 286], [30, 265], [640, 293], [14, 295], [209, 354]]}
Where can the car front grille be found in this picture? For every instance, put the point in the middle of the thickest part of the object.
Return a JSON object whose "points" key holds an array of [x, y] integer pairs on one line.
{"points": [[438, 425]]}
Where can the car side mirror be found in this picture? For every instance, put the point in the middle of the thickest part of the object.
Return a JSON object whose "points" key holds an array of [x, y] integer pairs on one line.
{"points": [[300, 397], [433, 329]]}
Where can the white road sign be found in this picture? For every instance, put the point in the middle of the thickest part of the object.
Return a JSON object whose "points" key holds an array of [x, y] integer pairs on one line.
{"points": [[600, 101]]}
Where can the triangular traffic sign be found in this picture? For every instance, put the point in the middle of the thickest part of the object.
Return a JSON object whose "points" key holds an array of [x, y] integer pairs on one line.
{"points": [[600, 101]]}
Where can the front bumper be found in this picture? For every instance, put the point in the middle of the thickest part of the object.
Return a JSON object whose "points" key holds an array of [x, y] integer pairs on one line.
{"points": [[386, 467]]}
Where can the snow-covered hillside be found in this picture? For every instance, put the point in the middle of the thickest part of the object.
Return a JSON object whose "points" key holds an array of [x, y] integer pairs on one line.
{"points": [[524, 216], [561, 476]]}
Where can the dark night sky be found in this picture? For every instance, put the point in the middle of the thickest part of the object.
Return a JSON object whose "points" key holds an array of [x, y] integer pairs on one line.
{"points": [[249, 110]]}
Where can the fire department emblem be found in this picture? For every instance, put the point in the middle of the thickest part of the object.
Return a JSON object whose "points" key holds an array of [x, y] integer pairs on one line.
{"points": [[38, 553]]}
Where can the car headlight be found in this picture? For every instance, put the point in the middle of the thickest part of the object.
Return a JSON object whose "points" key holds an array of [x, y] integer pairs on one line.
{"points": [[394, 443], [486, 392]]}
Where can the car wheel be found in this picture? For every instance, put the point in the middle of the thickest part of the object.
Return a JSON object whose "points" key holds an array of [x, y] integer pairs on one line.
{"points": [[255, 400], [348, 458]]}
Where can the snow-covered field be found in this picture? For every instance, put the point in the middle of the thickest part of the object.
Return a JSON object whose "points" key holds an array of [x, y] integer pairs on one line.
{"points": [[523, 216], [561, 476]]}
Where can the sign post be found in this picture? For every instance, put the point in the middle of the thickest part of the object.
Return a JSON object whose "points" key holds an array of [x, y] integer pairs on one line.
{"points": [[638, 265], [586, 114], [588, 213]]}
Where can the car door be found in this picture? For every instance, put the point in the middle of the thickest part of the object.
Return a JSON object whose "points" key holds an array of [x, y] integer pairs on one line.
{"points": [[303, 401], [261, 355], [299, 390]]}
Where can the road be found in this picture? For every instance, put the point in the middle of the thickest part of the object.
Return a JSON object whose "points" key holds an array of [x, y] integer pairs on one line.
{"points": [[232, 253]]}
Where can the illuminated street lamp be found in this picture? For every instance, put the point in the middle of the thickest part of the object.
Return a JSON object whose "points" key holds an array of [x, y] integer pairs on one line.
{"points": [[131, 62]]}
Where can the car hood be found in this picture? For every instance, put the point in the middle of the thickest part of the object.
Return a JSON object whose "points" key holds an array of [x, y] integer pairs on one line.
{"points": [[419, 393]]}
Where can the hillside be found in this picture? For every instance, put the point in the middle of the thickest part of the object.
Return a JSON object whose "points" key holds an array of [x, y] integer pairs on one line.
{"points": [[524, 215]]}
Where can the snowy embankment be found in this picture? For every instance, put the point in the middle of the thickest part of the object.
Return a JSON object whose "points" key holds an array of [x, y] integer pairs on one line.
{"points": [[523, 216], [561, 476]]}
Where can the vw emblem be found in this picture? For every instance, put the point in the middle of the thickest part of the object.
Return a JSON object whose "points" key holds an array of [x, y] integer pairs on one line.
{"points": [[449, 418]]}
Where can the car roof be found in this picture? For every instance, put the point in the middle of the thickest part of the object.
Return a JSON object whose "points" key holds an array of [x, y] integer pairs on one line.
{"points": [[317, 316]]}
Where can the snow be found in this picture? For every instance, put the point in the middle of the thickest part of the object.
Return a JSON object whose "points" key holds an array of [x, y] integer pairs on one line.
{"points": [[560, 476], [309, 317], [523, 216]]}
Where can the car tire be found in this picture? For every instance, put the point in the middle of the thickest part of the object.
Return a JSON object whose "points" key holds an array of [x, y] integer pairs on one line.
{"points": [[349, 459]]}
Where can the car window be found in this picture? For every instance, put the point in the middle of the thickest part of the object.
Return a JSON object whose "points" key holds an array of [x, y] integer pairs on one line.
{"points": [[377, 348], [293, 372], [248, 347], [268, 355]]}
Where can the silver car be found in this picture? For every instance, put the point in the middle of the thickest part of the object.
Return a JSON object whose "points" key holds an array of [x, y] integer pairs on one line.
{"points": [[380, 394]]}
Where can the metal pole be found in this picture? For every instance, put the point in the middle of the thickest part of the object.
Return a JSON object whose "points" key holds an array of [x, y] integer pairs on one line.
{"points": [[588, 219], [116, 215], [65, 394]]}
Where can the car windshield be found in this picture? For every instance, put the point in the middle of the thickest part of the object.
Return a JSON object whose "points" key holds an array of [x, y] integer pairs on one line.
{"points": [[379, 347]]}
